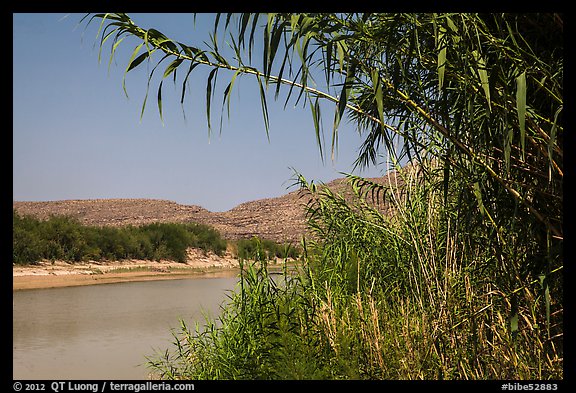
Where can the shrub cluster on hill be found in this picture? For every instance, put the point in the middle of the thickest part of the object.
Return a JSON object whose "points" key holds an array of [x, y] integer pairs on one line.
{"points": [[65, 238]]}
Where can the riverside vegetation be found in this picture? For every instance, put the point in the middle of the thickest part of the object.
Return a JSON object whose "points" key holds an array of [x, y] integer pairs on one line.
{"points": [[464, 280], [64, 238], [414, 295]]}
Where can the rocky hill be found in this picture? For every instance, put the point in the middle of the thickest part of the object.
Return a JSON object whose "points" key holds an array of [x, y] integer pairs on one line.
{"points": [[280, 219]]}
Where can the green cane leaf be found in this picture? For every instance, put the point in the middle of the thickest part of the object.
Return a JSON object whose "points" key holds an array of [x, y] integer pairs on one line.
{"points": [[378, 96], [441, 56], [552, 140], [521, 108], [315, 109], [478, 195], [172, 67], [133, 62], [483, 74], [507, 149], [264, 108], [160, 101], [209, 96]]}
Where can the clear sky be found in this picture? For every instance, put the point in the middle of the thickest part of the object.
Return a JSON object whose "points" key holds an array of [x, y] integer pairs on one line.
{"points": [[77, 136]]}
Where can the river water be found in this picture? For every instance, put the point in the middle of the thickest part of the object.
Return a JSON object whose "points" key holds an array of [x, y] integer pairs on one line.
{"points": [[106, 331]]}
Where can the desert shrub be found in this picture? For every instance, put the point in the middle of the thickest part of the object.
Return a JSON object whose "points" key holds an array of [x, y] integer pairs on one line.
{"points": [[206, 238], [64, 238], [264, 249]]}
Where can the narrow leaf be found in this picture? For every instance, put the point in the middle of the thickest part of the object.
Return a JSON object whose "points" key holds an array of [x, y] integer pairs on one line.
{"points": [[507, 149], [478, 195], [129, 67], [228, 92], [441, 56], [209, 96], [521, 108], [315, 109], [377, 88], [328, 66], [136, 62], [340, 48], [446, 178], [172, 66], [264, 107], [552, 141], [160, 101], [483, 74], [343, 99]]}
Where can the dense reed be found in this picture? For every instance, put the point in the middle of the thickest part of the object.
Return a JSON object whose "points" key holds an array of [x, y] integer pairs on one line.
{"points": [[409, 295]]}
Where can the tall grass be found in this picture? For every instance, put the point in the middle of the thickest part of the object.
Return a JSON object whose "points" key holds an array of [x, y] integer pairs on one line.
{"points": [[418, 294]]}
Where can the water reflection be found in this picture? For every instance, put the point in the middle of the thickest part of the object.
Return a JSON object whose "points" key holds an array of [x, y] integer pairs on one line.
{"points": [[105, 331]]}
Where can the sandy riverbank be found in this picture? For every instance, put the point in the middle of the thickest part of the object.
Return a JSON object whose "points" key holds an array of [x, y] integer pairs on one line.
{"points": [[62, 274]]}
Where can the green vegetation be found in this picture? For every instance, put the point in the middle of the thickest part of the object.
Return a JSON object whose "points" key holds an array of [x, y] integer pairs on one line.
{"points": [[464, 278], [407, 296], [64, 238], [263, 249]]}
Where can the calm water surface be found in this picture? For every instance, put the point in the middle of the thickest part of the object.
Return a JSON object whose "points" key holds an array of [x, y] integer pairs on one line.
{"points": [[106, 331]]}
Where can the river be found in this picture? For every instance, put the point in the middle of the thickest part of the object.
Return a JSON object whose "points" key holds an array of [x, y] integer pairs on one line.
{"points": [[106, 331]]}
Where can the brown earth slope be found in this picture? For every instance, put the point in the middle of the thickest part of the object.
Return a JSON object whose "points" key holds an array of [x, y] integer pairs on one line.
{"points": [[281, 219]]}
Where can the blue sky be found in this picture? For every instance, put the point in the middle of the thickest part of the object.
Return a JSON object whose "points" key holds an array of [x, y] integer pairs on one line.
{"points": [[77, 136]]}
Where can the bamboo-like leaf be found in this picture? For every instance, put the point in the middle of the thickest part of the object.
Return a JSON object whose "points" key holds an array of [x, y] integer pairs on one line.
{"points": [[478, 195], [328, 62], [344, 94], [172, 67], [136, 62], [209, 96], [228, 92], [507, 149], [243, 24], [377, 88], [116, 43], [228, 16], [452, 26], [277, 33], [148, 86], [547, 303], [264, 107], [280, 74], [552, 142], [441, 56], [160, 101], [341, 51], [315, 109], [483, 74], [545, 287], [521, 108], [251, 42], [130, 65]]}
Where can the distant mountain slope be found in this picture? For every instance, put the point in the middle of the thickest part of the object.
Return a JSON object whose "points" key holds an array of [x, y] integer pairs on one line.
{"points": [[281, 219]]}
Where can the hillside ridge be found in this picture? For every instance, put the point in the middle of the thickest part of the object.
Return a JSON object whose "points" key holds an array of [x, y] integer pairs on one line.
{"points": [[281, 219]]}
